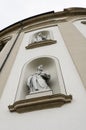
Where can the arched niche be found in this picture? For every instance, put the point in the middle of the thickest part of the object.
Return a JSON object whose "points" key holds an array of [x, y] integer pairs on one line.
{"points": [[56, 84], [41, 38]]}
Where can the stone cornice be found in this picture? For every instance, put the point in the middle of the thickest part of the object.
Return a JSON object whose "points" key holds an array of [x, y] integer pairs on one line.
{"points": [[43, 17]]}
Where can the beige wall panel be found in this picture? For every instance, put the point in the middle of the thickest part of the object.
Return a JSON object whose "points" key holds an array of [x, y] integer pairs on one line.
{"points": [[76, 44], [4, 74]]}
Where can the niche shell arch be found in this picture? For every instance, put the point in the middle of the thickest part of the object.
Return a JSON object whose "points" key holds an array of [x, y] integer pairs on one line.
{"points": [[56, 84]]}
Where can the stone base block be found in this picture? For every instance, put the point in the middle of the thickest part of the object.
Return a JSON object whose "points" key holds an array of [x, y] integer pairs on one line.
{"points": [[39, 94]]}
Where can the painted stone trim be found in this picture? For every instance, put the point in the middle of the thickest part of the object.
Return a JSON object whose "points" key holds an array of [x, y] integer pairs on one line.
{"points": [[39, 103], [41, 43]]}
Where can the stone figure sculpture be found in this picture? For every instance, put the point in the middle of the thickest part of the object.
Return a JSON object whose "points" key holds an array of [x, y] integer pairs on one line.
{"points": [[38, 81], [40, 37]]}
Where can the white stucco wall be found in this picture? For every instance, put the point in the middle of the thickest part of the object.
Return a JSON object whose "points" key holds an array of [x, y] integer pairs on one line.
{"points": [[71, 116]]}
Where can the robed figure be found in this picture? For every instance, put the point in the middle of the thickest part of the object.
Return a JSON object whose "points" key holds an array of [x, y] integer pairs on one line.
{"points": [[38, 81]]}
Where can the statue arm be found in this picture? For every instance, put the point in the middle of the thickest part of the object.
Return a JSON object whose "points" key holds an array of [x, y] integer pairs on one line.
{"points": [[46, 76], [29, 81]]}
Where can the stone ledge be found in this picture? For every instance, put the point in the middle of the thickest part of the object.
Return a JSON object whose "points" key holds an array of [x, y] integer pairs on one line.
{"points": [[41, 43], [39, 103]]}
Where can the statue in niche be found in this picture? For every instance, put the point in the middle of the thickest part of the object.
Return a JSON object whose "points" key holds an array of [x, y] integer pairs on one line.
{"points": [[41, 36], [38, 81]]}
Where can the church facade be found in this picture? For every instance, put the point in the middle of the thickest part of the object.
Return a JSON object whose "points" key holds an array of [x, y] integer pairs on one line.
{"points": [[43, 72]]}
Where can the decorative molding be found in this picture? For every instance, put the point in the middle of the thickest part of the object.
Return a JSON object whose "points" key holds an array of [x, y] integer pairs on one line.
{"points": [[4, 41], [40, 25], [39, 103], [41, 43], [69, 12]]}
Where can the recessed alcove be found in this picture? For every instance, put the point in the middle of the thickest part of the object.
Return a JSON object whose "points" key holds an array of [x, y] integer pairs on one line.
{"points": [[41, 38], [56, 84]]}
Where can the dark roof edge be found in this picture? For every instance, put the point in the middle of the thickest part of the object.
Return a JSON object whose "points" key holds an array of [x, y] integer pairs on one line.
{"points": [[20, 22], [66, 12]]}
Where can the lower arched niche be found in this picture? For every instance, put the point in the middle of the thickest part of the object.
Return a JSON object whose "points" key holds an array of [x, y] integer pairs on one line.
{"points": [[56, 96]]}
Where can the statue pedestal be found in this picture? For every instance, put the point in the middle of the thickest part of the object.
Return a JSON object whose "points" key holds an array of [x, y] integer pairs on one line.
{"points": [[39, 93]]}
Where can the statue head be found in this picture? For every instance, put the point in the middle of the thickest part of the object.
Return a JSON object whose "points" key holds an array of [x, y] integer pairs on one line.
{"points": [[40, 68]]}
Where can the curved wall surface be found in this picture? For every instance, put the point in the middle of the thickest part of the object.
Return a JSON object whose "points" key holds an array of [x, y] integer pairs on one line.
{"points": [[57, 41]]}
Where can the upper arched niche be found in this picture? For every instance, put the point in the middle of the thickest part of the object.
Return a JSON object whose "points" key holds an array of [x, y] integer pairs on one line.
{"points": [[41, 38], [56, 84]]}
